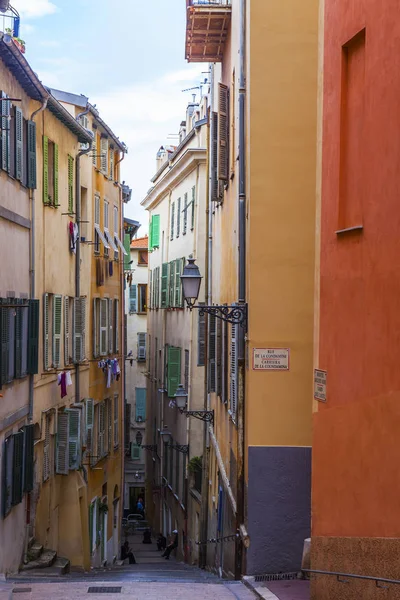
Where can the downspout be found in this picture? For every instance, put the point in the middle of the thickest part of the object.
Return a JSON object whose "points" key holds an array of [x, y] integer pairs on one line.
{"points": [[78, 241], [242, 290]]}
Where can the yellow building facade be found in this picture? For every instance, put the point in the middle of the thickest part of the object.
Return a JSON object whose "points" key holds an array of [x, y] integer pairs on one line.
{"points": [[262, 157]]}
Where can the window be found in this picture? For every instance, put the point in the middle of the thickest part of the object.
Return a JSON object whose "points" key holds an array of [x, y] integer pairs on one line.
{"points": [[178, 220], [116, 325], [141, 350], [105, 326], [79, 330], [116, 231], [172, 221], [98, 234], [104, 155], [108, 236], [19, 330], [142, 297], [164, 286], [95, 146], [173, 370], [112, 163], [143, 258], [223, 132], [68, 303], [50, 173], [89, 425], [70, 184], [179, 266], [185, 217], [171, 293], [68, 446], [135, 452], [140, 405], [116, 420], [223, 377], [132, 298], [17, 473], [154, 236]]}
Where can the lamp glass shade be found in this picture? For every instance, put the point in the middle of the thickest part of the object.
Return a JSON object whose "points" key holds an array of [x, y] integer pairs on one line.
{"points": [[139, 438], [191, 281], [181, 397]]}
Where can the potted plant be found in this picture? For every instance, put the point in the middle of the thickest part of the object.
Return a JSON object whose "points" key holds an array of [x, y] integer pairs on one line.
{"points": [[103, 508], [20, 44]]}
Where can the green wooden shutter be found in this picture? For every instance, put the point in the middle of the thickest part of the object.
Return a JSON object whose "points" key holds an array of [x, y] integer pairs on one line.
{"points": [[57, 312], [178, 264], [155, 231], [201, 339], [140, 404], [103, 326], [164, 286], [66, 332], [133, 298], [33, 337], [116, 326], [89, 404], [174, 370], [178, 218], [127, 256], [18, 460], [62, 451], [172, 283], [135, 450], [56, 197], [185, 211], [31, 166], [95, 328], [5, 133], [19, 126], [46, 332], [193, 206], [172, 221], [46, 199], [28, 458], [74, 438], [110, 326], [79, 329], [70, 184]]}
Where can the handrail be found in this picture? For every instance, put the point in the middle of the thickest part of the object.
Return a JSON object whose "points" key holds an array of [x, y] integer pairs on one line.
{"points": [[377, 580]]}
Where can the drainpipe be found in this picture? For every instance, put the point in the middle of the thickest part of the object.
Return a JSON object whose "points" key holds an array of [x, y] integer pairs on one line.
{"points": [[78, 242], [242, 287]]}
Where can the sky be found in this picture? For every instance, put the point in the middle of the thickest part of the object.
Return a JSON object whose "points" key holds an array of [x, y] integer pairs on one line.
{"points": [[127, 56]]}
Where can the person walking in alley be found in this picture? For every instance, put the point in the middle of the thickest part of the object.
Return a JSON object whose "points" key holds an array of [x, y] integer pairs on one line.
{"points": [[172, 545], [161, 542], [126, 552]]}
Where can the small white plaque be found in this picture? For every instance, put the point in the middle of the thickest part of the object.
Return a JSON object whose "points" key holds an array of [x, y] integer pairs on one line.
{"points": [[320, 385], [271, 359]]}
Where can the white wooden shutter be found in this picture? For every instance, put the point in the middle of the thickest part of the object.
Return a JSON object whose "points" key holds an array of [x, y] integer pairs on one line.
{"points": [[104, 155], [116, 424], [46, 332], [133, 298], [46, 448], [103, 326], [112, 163], [89, 404], [233, 372], [66, 332], [62, 455], [141, 347], [110, 326], [57, 312], [116, 326], [94, 149], [74, 438]]}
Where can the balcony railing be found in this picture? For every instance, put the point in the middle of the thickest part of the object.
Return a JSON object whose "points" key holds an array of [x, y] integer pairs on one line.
{"points": [[207, 27]]}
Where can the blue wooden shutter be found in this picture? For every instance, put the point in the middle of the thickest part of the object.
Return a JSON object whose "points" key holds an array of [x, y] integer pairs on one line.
{"points": [[140, 404], [174, 370], [31, 158]]}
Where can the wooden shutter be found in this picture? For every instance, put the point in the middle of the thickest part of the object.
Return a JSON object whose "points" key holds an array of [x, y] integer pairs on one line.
{"points": [[224, 362], [57, 312], [62, 452], [174, 370], [104, 155], [28, 458], [135, 452], [212, 336], [46, 332], [94, 149], [103, 326], [172, 283], [178, 218], [112, 163], [110, 326], [46, 448], [141, 352], [185, 215], [178, 264], [214, 158], [89, 414], [155, 231], [101, 431], [79, 329], [218, 351], [186, 374], [33, 337], [133, 298], [233, 371], [5, 133], [18, 342], [151, 294], [140, 411], [127, 256], [70, 184], [116, 420], [193, 206], [95, 328], [55, 166], [31, 166], [116, 326], [8, 474], [109, 409], [66, 332], [172, 220], [46, 199], [223, 132], [74, 438], [201, 339], [164, 286], [18, 460], [19, 127]]}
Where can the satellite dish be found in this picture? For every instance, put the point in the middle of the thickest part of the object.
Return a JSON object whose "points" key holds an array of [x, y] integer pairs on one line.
{"points": [[4, 5]]}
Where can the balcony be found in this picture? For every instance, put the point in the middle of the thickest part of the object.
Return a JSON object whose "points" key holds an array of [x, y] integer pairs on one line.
{"points": [[207, 26]]}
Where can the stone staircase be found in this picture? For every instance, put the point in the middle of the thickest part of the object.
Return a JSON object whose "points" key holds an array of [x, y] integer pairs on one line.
{"points": [[42, 561]]}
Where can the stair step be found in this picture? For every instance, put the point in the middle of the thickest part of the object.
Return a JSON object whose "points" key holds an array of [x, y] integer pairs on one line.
{"points": [[35, 551], [46, 559]]}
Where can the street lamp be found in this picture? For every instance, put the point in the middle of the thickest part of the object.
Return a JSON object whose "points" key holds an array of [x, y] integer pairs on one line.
{"points": [[139, 439], [191, 282], [181, 398]]}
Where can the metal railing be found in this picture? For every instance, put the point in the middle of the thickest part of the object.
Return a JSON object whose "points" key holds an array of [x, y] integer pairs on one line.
{"points": [[342, 577], [208, 2]]}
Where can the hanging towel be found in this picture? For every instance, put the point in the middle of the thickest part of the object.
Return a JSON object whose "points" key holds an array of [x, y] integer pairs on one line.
{"points": [[62, 382], [68, 378]]}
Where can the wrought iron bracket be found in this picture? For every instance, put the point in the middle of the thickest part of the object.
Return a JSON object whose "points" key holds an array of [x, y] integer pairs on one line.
{"points": [[235, 314], [203, 415], [179, 447], [150, 447]]}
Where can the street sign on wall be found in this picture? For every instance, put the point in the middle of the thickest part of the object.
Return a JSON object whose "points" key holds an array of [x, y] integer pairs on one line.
{"points": [[320, 385], [271, 359]]}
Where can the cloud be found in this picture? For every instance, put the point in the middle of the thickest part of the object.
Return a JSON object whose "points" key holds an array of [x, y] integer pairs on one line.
{"points": [[31, 9]]}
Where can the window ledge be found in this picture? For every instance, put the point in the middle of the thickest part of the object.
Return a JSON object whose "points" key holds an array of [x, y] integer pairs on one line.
{"points": [[355, 229]]}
